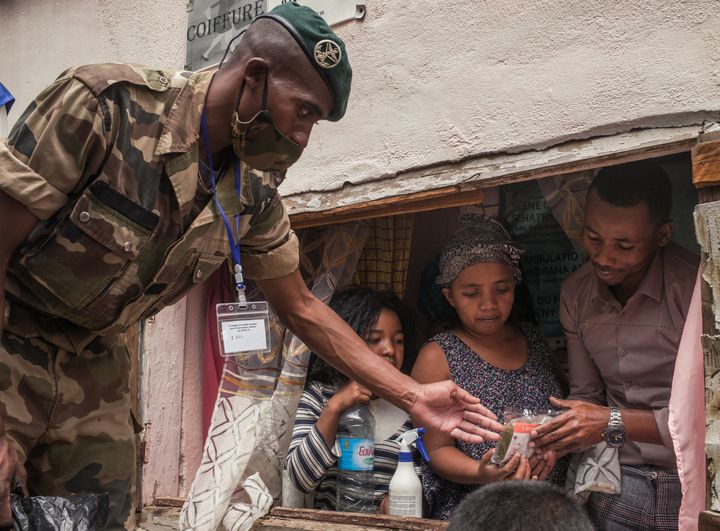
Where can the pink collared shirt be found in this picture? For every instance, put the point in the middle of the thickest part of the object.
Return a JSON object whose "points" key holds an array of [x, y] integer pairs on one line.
{"points": [[624, 356]]}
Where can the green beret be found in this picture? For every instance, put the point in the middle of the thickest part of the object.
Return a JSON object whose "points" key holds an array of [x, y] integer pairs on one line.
{"points": [[324, 49]]}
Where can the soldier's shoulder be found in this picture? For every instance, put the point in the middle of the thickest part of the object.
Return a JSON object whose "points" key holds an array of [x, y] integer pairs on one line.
{"points": [[98, 77]]}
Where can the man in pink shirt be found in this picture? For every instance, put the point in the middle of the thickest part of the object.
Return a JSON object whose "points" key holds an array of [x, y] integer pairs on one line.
{"points": [[623, 314]]}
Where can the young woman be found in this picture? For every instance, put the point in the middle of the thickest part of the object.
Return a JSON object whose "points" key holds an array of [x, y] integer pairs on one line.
{"points": [[385, 325], [504, 363]]}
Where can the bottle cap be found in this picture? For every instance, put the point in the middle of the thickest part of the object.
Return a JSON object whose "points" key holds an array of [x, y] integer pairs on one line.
{"points": [[409, 438]]}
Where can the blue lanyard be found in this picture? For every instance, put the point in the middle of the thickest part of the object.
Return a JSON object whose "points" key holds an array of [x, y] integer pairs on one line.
{"points": [[234, 244]]}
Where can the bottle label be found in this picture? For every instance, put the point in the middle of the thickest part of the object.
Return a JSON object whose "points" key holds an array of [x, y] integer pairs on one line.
{"points": [[356, 454], [406, 505]]}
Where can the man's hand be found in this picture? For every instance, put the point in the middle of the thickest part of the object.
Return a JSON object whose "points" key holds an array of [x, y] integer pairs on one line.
{"points": [[574, 430], [453, 411], [10, 470], [350, 394]]}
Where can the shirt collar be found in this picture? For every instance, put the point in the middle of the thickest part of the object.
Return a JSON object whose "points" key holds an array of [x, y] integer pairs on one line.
{"points": [[651, 285], [181, 130]]}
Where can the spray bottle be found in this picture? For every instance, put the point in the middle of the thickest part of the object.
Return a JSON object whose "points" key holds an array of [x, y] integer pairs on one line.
{"points": [[405, 491]]}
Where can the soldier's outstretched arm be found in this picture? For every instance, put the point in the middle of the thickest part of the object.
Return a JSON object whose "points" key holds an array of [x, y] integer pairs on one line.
{"points": [[441, 405], [17, 223]]}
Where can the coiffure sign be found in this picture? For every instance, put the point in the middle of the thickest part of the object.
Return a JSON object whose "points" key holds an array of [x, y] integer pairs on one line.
{"points": [[212, 24]]}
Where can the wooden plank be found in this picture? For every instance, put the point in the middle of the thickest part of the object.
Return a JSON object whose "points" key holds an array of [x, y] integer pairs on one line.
{"points": [[364, 521], [392, 206], [192, 435], [706, 164], [168, 501], [491, 169], [156, 518], [711, 351], [271, 523], [709, 521], [159, 519], [162, 385]]}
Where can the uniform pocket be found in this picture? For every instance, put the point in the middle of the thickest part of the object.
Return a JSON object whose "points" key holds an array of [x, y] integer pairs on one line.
{"points": [[91, 247]]}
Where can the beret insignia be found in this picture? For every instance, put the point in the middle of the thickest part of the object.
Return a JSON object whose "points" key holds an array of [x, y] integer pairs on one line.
{"points": [[327, 54]]}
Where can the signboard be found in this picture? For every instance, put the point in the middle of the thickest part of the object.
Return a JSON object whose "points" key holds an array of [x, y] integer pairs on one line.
{"points": [[212, 24], [549, 255], [333, 11]]}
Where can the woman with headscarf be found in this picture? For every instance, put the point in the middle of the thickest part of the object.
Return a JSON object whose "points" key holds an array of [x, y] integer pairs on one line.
{"points": [[503, 362]]}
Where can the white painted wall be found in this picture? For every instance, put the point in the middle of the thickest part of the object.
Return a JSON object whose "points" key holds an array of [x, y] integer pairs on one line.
{"points": [[41, 38], [434, 81], [439, 81]]}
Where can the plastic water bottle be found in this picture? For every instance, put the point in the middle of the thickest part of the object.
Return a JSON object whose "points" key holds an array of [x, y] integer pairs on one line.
{"points": [[355, 485]]}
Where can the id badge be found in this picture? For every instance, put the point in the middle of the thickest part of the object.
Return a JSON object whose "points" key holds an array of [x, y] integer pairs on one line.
{"points": [[243, 329]]}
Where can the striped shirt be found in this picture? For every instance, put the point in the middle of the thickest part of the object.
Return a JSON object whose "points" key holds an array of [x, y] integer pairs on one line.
{"points": [[311, 464]]}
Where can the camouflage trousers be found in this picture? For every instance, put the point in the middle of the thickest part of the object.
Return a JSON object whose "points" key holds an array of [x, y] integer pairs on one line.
{"points": [[68, 415]]}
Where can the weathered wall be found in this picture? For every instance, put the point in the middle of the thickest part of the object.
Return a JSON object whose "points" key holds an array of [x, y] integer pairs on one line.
{"points": [[434, 82], [41, 38], [438, 81]]}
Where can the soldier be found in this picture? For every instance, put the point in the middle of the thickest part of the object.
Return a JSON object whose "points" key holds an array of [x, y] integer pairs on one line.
{"points": [[108, 215]]}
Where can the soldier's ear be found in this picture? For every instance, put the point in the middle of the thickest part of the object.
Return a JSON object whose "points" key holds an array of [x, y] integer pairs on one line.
{"points": [[255, 71]]}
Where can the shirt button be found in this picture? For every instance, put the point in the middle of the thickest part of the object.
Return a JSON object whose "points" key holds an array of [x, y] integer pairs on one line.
{"points": [[84, 217], [622, 352], [198, 273], [163, 80], [127, 247]]}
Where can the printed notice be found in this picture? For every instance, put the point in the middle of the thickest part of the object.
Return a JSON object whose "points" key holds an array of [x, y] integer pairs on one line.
{"points": [[244, 336]]}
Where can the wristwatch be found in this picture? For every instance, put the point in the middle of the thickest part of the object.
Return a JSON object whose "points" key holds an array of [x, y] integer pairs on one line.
{"points": [[614, 435]]}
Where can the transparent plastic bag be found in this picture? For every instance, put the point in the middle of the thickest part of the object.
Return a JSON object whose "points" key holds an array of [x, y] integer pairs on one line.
{"points": [[515, 437]]}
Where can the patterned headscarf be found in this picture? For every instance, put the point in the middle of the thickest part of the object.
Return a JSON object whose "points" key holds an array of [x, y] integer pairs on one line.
{"points": [[478, 239]]}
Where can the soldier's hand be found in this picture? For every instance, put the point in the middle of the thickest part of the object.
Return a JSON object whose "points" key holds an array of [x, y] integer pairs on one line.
{"points": [[445, 407], [10, 471]]}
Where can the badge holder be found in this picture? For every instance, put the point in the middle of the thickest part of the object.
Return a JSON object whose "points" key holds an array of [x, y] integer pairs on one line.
{"points": [[244, 329]]}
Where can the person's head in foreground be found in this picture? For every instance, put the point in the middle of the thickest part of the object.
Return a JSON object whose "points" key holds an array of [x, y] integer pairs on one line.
{"points": [[627, 219], [289, 71], [381, 320], [479, 270], [521, 506]]}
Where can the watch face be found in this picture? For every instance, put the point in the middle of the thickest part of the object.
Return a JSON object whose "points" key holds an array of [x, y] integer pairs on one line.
{"points": [[614, 436]]}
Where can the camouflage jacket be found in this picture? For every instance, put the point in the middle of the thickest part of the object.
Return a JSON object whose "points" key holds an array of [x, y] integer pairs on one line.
{"points": [[107, 158]]}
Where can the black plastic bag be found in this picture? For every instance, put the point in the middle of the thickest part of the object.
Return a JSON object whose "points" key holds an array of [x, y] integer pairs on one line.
{"points": [[82, 512]]}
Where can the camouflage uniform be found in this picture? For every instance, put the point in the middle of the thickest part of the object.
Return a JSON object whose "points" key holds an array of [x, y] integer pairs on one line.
{"points": [[107, 159]]}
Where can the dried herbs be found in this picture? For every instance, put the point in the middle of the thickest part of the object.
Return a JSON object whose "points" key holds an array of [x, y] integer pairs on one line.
{"points": [[515, 437]]}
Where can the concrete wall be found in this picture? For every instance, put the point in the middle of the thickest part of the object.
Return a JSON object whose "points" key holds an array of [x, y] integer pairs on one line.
{"points": [[433, 81], [441, 81], [41, 38]]}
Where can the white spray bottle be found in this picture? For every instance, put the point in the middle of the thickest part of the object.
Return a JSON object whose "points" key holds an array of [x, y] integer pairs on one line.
{"points": [[405, 491]]}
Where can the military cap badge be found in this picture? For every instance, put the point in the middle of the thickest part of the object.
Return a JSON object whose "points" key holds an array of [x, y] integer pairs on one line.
{"points": [[327, 54]]}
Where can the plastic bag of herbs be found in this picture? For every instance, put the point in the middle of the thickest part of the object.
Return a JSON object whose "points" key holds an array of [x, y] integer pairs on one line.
{"points": [[515, 437]]}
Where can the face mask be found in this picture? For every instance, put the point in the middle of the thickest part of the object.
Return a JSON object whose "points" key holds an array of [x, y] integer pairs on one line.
{"points": [[259, 143]]}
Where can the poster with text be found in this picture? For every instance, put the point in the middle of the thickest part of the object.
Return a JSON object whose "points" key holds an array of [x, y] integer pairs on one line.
{"points": [[549, 256]]}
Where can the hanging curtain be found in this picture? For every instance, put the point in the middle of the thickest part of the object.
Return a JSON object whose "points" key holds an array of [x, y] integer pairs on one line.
{"points": [[384, 262], [239, 475], [565, 195], [218, 290]]}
